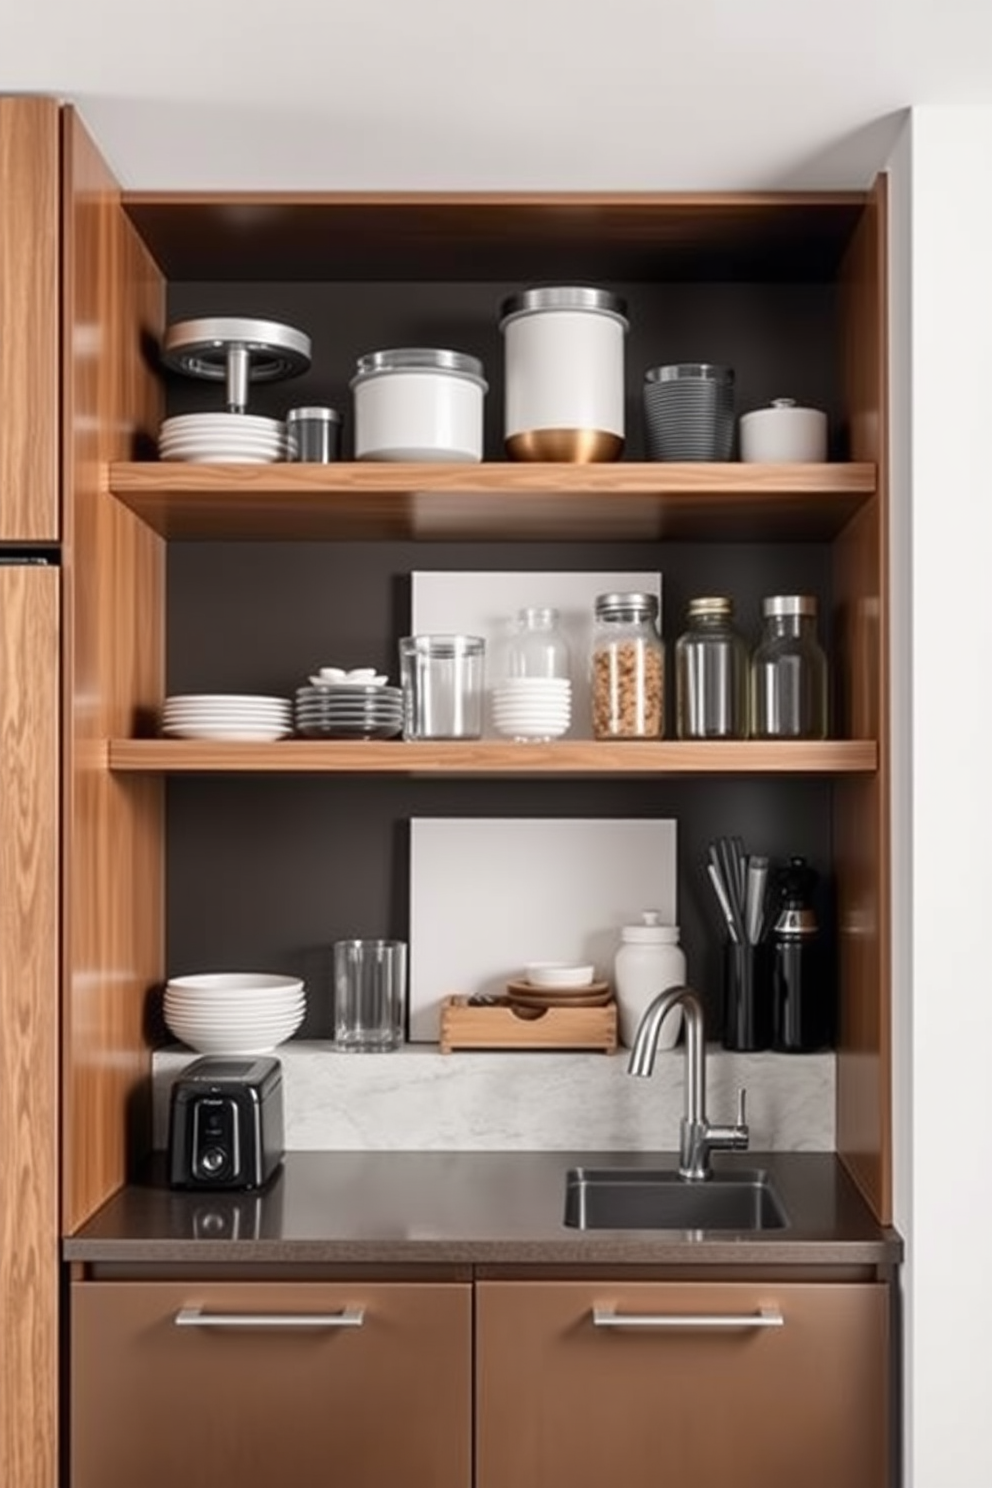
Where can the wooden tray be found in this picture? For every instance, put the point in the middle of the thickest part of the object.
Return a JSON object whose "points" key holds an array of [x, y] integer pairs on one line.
{"points": [[500, 1026]]}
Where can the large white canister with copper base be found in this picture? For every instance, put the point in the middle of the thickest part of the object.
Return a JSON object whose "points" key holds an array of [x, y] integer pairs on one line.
{"points": [[564, 374]]}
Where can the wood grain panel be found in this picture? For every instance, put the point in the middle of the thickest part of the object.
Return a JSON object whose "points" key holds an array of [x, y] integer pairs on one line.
{"points": [[114, 585], [562, 1403], [29, 1001], [861, 818], [627, 501], [29, 320], [492, 757], [386, 1402], [508, 236]]}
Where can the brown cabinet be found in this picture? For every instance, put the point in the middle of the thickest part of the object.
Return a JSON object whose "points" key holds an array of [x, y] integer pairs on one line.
{"points": [[763, 1385], [303, 1384], [29, 991], [30, 367]]}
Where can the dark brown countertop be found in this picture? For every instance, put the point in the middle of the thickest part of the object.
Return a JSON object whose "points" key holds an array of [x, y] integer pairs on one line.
{"points": [[469, 1208]]}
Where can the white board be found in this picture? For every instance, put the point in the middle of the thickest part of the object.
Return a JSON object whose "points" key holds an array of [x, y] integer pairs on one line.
{"points": [[486, 604], [487, 895]]}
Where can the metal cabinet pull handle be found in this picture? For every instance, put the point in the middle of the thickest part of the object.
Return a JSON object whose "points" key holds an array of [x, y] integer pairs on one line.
{"points": [[195, 1317], [765, 1317]]}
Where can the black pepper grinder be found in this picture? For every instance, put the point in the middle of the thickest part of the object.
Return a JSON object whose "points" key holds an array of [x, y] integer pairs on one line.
{"points": [[801, 1005]]}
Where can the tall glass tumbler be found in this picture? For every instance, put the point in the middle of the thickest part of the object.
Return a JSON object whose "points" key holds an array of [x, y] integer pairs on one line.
{"points": [[369, 995], [442, 678]]}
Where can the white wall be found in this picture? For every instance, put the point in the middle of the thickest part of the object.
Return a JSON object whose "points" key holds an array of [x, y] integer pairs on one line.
{"points": [[941, 180]]}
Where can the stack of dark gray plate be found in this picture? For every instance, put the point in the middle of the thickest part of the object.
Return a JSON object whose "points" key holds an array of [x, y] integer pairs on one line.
{"points": [[689, 411], [348, 710]]}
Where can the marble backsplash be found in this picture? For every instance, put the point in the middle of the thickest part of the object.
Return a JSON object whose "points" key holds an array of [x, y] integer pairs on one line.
{"points": [[419, 1099]]}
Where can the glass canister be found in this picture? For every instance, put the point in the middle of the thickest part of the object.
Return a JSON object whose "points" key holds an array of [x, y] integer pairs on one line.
{"points": [[442, 677], [534, 699], [711, 660], [563, 350], [789, 672], [628, 668], [538, 647]]}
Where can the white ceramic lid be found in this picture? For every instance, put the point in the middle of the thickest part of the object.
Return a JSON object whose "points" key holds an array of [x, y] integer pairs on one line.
{"points": [[650, 931]]}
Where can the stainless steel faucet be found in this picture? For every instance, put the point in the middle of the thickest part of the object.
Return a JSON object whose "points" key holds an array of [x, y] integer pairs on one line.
{"points": [[697, 1138]]}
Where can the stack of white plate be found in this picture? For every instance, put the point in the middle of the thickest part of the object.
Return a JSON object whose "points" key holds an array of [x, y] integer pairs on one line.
{"points": [[234, 1012], [226, 715], [213, 438], [349, 710], [532, 707]]}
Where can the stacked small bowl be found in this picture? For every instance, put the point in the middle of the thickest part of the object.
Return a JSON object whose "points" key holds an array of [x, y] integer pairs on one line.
{"points": [[230, 716], [234, 1012], [532, 708], [689, 411], [216, 438], [359, 705]]}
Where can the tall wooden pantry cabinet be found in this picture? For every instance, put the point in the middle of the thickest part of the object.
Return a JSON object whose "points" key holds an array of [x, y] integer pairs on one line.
{"points": [[94, 803]]}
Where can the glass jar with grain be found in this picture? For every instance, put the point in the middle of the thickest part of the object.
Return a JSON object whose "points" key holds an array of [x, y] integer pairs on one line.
{"points": [[628, 668]]}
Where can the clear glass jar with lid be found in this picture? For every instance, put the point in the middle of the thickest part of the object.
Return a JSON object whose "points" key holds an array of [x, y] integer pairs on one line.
{"points": [[538, 646], [628, 668], [711, 661], [789, 672]]}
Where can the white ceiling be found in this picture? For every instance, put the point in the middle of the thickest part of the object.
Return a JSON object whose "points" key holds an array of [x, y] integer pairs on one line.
{"points": [[526, 94]]}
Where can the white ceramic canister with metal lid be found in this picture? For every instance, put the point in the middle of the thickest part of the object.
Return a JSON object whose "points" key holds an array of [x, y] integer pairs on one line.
{"points": [[418, 403], [648, 961], [564, 396], [783, 434]]}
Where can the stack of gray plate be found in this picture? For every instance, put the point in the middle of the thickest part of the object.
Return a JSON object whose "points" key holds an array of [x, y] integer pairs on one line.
{"points": [[349, 711], [689, 411]]}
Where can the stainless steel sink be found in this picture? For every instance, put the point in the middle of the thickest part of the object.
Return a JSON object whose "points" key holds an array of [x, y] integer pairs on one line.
{"points": [[646, 1199]]}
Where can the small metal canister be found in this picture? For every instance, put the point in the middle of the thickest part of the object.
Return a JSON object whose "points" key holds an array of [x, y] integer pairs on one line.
{"points": [[313, 434]]}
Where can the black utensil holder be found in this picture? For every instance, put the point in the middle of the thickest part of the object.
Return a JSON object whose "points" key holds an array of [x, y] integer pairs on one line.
{"points": [[747, 996]]}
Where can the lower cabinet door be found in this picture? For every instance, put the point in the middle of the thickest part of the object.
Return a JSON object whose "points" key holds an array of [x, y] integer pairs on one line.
{"points": [[690, 1385], [281, 1385]]}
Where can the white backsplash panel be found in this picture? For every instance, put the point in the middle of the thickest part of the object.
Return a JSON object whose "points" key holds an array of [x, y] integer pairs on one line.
{"points": [[486, 604], [488, 894]]}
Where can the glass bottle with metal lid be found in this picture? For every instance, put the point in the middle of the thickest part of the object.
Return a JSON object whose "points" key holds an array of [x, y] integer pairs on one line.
{"points": [[789, 672], [711, 659], [628, 668]]}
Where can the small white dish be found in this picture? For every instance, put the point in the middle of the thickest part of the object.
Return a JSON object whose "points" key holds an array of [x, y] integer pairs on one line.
{"points": [[558, 974]]}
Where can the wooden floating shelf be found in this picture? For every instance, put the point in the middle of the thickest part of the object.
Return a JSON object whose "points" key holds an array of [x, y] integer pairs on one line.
{"points": [[627, 501], [492, 757]]}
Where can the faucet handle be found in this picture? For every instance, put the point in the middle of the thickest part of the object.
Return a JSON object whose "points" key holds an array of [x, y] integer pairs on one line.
{"points": [[742, 1106]]}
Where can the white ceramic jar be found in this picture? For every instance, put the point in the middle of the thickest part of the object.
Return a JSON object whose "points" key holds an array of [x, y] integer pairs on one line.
{"points": [[783, 434], [563, 350], [418, 403], [648, 961]]}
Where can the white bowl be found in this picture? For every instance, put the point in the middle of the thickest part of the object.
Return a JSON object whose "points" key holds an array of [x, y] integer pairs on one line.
{"points": [[558, 974], [237, 981]]}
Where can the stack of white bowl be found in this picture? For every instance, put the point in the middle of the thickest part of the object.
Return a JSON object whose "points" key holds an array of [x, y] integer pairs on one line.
{"points": [[215, 438], [234, 1012], [238, 717], [349, 709], [532, 707]]}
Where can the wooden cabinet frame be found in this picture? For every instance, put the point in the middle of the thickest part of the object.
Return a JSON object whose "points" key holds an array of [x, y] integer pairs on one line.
{"points": [[123, 250]]}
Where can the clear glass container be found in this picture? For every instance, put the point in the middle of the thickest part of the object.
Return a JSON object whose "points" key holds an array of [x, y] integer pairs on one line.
{"points": [[534, 699], [442, 677], [538, 647], [711, 660], [628, 668], [789, 672]]}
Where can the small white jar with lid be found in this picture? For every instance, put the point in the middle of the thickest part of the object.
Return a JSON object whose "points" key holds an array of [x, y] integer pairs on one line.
{"points": [[783, 434], [648, 961]]}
